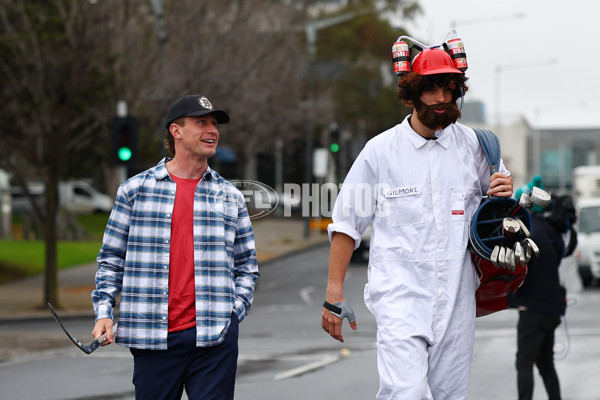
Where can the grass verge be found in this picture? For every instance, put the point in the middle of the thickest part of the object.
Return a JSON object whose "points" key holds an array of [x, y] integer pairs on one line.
{"points": [[19, 259]]}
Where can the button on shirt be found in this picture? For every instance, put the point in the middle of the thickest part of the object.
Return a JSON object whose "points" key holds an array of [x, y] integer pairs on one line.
{"points": [[420, 196], [134, 259]]}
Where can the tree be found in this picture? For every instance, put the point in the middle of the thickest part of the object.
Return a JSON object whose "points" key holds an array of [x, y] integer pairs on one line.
{"points": [[361, 48], [58, 88], [350, 86], [244, 56], [66, 63]]}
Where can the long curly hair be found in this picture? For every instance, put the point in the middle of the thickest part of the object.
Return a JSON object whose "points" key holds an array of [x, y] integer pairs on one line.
{"points": [[412, 85]]}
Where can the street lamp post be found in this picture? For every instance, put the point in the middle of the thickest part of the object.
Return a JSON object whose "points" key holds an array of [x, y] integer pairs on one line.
{"points": [[310, 31]]}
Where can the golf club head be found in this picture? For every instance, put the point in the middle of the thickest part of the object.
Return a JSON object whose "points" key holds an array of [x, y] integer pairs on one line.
{"points": [[535, 251], [510, 259], [510, 228], [502, 257], [494, 256], [519, 254], [527, 251], [525, 201], [540, 197], [517, 250], [523, 227]]}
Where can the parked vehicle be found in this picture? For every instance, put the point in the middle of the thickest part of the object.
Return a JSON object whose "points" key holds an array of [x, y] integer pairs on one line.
{"points": [[586, 182], [77, 197], [587, 253], [19, 201]]}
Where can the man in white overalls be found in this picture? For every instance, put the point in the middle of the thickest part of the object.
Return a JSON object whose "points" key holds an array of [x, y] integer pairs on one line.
{"points": [[418, 183]]}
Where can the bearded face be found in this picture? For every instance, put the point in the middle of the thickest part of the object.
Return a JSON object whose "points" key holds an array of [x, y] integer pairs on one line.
{"points": [[437, 116]]}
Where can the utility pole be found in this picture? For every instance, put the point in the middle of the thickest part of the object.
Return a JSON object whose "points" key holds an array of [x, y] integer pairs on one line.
{"points": [[310, 30]]}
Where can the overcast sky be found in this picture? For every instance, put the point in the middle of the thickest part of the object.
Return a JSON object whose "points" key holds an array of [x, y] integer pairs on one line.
{"points": [[520, 38]]}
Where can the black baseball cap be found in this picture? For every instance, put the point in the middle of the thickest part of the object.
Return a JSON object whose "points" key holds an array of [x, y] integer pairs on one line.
{"points": [[194, 105]]}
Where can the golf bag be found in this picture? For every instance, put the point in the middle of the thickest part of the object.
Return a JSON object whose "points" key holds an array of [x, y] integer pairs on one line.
{"points": [[496, 281]]}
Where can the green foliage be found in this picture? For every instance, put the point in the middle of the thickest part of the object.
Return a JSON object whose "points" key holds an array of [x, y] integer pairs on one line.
{"points": [[359, 54], [369, 35], [365, 37]]}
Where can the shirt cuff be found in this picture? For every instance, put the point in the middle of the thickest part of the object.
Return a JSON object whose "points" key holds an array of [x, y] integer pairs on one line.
{"points": [[239, 309], [346, 229], [104, 311]]}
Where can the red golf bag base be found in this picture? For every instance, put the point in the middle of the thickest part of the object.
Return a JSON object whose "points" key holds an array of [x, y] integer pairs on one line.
{"points": [[495, 285]]}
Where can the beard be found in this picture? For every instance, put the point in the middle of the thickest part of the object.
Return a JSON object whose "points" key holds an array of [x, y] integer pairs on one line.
{"points": [[436, 121]]}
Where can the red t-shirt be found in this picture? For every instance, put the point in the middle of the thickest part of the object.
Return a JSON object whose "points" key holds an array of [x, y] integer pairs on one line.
{"points": [[182, 297]]}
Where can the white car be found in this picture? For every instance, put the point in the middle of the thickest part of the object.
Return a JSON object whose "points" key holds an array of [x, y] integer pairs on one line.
{"points": [[77, 197], [587, 253]]}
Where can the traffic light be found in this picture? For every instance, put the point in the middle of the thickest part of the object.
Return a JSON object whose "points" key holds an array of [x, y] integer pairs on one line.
{"points": [[124, 132], [334, 138]]}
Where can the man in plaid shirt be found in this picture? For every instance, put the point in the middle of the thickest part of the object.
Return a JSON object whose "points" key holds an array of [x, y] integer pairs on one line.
{"points": [[179, 249]]}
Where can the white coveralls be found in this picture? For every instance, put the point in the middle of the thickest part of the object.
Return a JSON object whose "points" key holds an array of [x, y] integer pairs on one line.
{"points": [[420, 196]]}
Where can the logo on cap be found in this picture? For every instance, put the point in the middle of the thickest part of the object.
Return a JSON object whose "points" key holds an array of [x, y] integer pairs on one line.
{"points": [[205, 103]]}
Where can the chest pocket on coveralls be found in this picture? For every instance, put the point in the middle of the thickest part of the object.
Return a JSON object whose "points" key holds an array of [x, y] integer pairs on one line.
{"points": [[461, 203], [403, 209]]}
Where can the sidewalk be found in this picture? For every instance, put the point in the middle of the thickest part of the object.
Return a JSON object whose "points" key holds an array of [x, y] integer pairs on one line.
{"points": [[275, 237]]}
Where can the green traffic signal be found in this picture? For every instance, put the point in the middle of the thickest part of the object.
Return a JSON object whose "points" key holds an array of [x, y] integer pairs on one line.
{"points": [[124, 153], [123, 148], [334, 147]]}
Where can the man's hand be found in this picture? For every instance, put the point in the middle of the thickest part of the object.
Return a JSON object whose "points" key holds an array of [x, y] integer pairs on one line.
{"points": [[342, 246], [104, 325], [332, 324], [501, 185]]}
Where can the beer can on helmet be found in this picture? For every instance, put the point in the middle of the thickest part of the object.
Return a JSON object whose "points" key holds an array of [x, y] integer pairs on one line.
{"points": [[401, 58], [458, 54]]}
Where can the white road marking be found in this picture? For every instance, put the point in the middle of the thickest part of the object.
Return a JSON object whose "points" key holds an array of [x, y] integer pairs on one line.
{"points": [[305, 294], [312, 366]]}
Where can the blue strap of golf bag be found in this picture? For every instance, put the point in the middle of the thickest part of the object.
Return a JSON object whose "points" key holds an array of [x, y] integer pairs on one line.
{"points": [[491, 148]]}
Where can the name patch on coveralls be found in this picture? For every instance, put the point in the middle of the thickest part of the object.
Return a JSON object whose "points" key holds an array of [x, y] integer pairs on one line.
{"points": [[403, 191]]}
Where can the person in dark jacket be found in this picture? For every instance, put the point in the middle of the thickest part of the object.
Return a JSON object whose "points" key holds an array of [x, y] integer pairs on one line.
{"points": [[541, 302]]}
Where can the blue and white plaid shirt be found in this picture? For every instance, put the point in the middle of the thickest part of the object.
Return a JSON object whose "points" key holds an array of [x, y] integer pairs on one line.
{"points": [[134, 259]]}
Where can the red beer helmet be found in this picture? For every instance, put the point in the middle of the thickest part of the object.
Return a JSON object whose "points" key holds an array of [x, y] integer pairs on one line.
{"points": [[434, 61]]}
